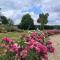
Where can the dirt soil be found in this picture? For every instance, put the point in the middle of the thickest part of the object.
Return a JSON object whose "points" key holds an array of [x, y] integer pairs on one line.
{"points": [[56, 43]]}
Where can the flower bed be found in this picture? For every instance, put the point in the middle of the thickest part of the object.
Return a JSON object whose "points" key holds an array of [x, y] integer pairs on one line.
{"points": [[35, 46], [53, 32]]}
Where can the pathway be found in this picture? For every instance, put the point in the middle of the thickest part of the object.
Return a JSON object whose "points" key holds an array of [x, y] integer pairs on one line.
{"points": [[56, 43]]}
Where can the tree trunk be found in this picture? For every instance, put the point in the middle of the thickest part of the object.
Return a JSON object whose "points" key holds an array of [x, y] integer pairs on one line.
{"points": [[42, 26]]}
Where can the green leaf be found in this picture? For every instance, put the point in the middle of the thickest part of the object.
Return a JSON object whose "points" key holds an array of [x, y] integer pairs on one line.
{"points": [[32, 54], [8, 56], [22, 43]]}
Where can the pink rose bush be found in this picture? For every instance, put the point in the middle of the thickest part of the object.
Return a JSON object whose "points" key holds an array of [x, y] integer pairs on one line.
{"points": [[50, 47], [53, 32], [8, 40], [31, 47]]}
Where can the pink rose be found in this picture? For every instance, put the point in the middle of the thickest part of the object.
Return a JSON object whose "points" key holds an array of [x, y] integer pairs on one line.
{"points": [[23, 53], [13, 48], [51, 49], [31, 42], [3, 45], [49, 42], [34, 34], [37, 49], [45, 56], [44, 49], [8, 40], [40, 38]]}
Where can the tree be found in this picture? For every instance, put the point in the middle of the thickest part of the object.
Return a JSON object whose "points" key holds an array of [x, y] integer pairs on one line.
{"points": [[26, 22], [10, 22], [4, 20], [43, 19]]}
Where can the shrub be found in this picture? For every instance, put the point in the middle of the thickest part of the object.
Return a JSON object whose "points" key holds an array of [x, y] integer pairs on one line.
{"points": [[2, 29], [31, 47]]}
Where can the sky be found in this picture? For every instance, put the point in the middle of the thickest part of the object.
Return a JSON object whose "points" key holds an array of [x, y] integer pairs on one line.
{"points": [[15, 9]]}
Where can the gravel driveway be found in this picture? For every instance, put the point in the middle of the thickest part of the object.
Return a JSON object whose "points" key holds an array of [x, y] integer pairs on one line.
{"points": [[56, 43]]}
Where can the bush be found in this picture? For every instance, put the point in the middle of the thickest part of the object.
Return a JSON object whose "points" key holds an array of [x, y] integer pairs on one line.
{"points": [[32, 47], [11, 28], [2, 29]]}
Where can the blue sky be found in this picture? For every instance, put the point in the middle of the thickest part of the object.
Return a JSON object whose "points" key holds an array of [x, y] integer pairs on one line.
{"points": [[15, 9]]}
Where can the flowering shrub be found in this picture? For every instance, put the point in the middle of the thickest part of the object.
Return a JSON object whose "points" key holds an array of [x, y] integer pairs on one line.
{"points": [[53, 32], [31, 47], [8, 40]]}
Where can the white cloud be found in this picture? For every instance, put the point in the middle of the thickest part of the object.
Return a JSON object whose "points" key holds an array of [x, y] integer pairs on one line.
{"points": [[52, 7], [8, 13], [14, 8], [34, 16]]}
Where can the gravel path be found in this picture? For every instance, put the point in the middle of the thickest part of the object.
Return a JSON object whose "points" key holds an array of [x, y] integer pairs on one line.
{"points": [[56, 43]]}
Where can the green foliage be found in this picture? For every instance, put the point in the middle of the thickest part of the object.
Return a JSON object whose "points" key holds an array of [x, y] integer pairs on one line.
{"points": [[8, 56], [2, 28], [10, 22], [7, 28], [43, 19], [27, 22], [22, 43], [4, 20], [7, 23], [32, 55]]}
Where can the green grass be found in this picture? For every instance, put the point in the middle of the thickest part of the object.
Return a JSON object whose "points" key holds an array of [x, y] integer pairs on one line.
{"points": [[13, 35], [10, 34]]}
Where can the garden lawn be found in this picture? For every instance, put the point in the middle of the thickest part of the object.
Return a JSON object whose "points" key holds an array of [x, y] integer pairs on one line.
{"points": [[13, 35], [10, 35]]}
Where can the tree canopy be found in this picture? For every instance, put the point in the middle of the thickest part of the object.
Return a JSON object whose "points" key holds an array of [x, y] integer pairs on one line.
{"points": [[4, 20], [27, 22], [43, 19]]}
